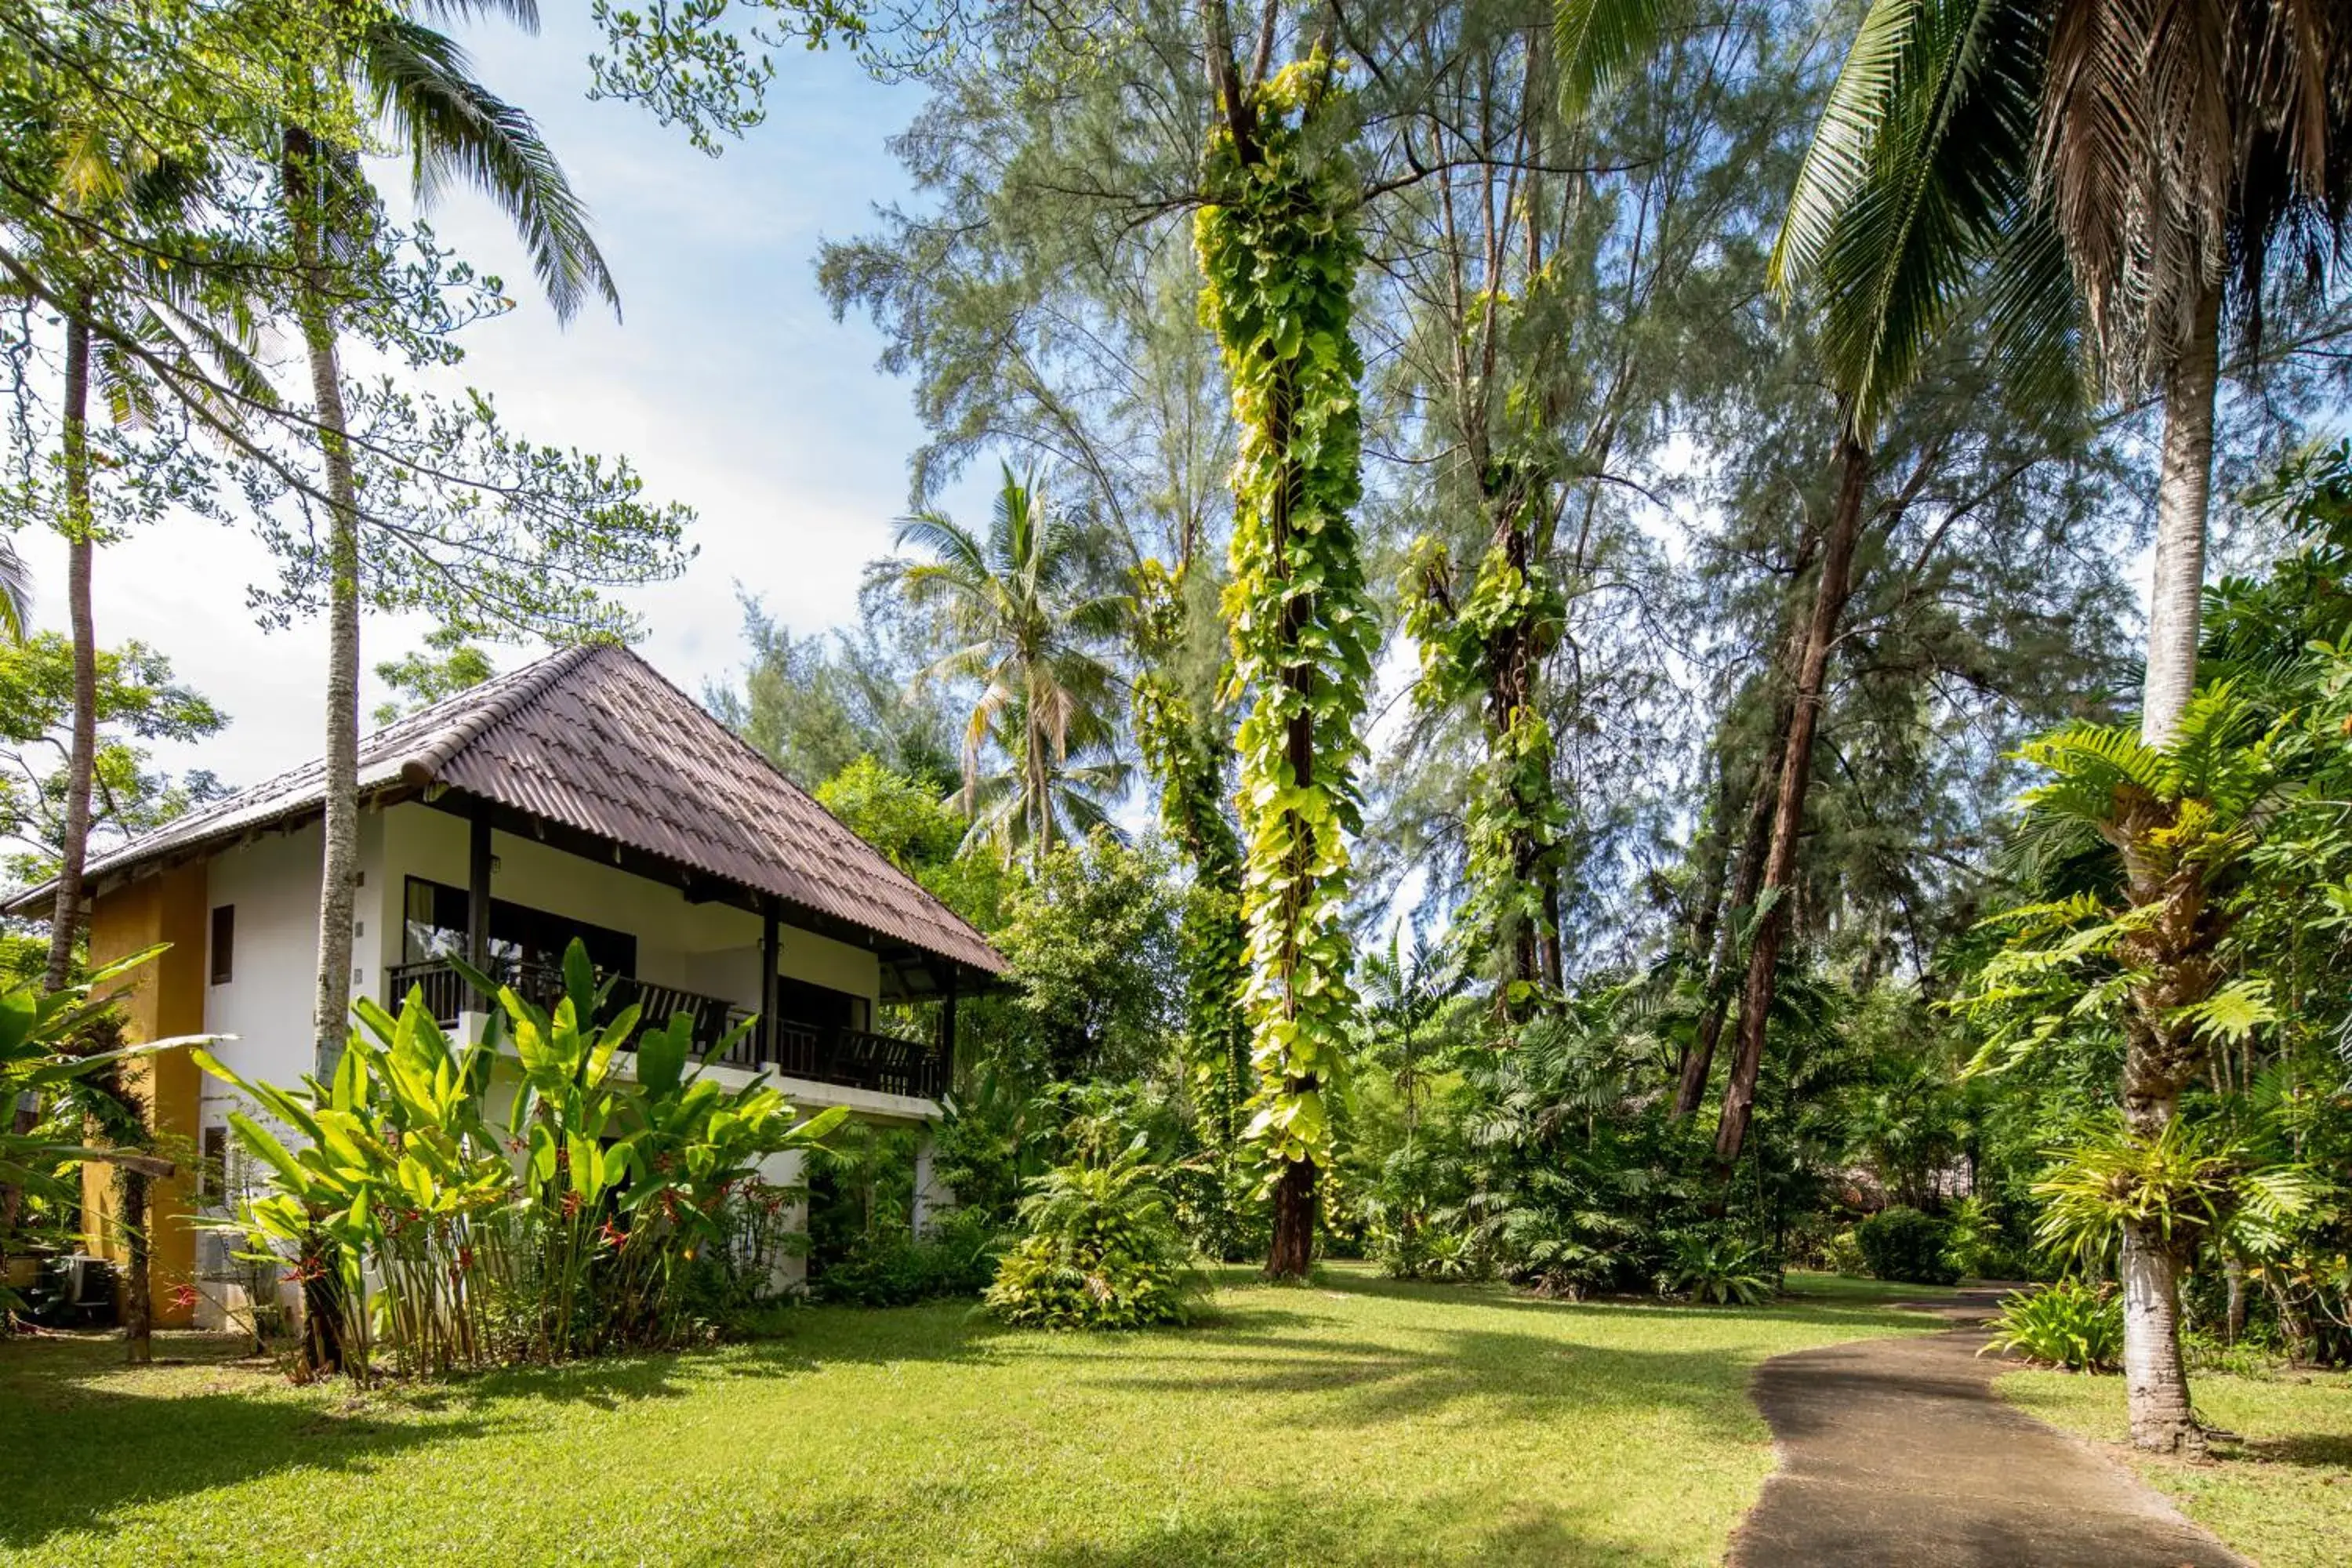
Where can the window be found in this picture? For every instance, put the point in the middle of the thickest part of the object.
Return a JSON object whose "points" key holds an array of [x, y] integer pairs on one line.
{"points": [[435, 927], [825, 1008], [212, 1172], [224, 943]]}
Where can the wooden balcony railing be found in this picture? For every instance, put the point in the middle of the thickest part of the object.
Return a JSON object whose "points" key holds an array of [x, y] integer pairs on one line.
{"points": [[856, 1059]]}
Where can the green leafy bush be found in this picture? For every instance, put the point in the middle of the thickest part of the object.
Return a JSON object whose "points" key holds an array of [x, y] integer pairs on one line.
{"points": [[1905, 1244], [1099, 1250], [2067, 1324], [634, 1212], [1708, 1266], [1842, 1255], [955, 1256]]}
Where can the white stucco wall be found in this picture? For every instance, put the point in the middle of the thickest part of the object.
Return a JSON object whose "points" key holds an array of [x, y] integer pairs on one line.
{"points": [[273, 884]]}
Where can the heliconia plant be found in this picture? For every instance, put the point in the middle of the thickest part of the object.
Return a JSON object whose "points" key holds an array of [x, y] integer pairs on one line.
{"points": [[414, 1220]]}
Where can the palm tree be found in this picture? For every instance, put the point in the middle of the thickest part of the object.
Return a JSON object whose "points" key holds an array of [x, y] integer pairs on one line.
{"points": [[417, 82], [1025, 610], [155, 316], [2147, 167]]}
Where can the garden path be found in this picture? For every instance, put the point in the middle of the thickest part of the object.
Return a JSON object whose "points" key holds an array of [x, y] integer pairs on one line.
{"points": [[1896, 1451]]}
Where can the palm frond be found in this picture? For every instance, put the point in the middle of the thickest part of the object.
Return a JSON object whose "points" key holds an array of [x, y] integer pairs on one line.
{"points": [[457, 129]]}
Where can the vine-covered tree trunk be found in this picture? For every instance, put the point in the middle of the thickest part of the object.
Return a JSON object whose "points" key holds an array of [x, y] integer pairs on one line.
{"points": [[81, 756], [1184, 749], [1830, 591], [305, 187], [1278, 262]]}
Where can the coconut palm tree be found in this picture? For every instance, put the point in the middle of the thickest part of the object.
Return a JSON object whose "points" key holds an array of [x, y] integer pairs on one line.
{"points": [[2155, 164], [1024, 608], [2121, 177], [416, 84]]}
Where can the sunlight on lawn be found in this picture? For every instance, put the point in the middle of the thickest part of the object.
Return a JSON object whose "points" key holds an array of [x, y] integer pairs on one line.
{"points": [[1358, 1421], [2281, 1493]]}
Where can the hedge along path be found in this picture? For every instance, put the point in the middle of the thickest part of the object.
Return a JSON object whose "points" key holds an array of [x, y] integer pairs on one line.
{"points": [[1898, 1451]]}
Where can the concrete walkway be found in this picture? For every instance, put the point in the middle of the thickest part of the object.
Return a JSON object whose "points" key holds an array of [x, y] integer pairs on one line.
{"points": [[1897, 1454]]}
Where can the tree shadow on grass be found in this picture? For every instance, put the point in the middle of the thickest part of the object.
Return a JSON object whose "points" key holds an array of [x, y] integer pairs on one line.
{"points": [[1831, 1311], [1348, 1383], [2316, 1451], [82, 1443], [1234, 1528]]}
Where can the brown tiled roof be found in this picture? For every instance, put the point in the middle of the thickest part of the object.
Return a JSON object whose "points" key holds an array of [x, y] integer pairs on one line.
{"points": [[595, 740]]}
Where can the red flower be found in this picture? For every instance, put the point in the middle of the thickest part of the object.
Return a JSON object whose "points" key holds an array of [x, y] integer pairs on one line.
{"points": [[613, 1235], [184, 1298], [570, 1206], [465, 1257]]}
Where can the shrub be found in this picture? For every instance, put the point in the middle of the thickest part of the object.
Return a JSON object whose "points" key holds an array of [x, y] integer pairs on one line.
{"points": [[956, 1256], [1099, 1250], [1904, 1245], [1707, 1266], [1842, 1255], [2067, 1324]]}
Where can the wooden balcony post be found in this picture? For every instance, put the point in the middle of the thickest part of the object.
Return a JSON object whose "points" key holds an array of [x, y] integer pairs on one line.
{"points": [[769, 956], [946, 1068], [478, 888]]}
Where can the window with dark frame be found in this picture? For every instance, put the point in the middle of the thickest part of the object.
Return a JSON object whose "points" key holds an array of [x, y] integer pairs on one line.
{"points": [[224, 943], [212, 1174]]}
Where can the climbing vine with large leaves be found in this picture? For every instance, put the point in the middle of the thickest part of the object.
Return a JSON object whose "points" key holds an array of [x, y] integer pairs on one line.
{"points": [[1516, 825], [1185, 748], [1278, 259]]}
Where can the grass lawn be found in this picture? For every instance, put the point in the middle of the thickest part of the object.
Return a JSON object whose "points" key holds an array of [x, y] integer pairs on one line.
{"points": [[2282, 1493], [1356, 1421]]}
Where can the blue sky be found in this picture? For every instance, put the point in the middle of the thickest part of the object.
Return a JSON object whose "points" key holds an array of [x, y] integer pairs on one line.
{"points": [[729, 384]]}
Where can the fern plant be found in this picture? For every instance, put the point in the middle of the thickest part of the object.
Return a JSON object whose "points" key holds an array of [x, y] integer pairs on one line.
{"points": [[1100, 1250], [1708, 1266], [2068, 1324]]}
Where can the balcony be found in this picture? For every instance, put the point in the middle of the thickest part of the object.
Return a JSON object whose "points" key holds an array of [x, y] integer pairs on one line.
{"points": [[853, 1058]]}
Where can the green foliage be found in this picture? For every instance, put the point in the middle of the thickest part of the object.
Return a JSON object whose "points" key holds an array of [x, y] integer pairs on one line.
{"points": [[1091, 944], [1710, 1265], [51, 1061], [1023, 610], [1099, 1250], [2067, 1324], [1278, 259], [449, 663], [1516, 825], [2174, 1186], [956, 1256], [1903, 1243], [814, 706], [138, 702]]}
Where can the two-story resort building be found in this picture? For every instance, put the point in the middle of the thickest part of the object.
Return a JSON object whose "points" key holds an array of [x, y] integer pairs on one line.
{"points": [[583, 797]]}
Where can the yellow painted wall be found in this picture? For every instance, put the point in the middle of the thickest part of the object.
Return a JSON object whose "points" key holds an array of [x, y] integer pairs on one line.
{"points": [[162, 999]]}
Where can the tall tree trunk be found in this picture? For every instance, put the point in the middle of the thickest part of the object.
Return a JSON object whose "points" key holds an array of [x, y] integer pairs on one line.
{"points": [[65, 918], [1836, 581], [138, 1284], [2184, 487], [1294, 1222], [339, 870], [2156, 1381], [1698, 1062], [2234, 1316]]}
